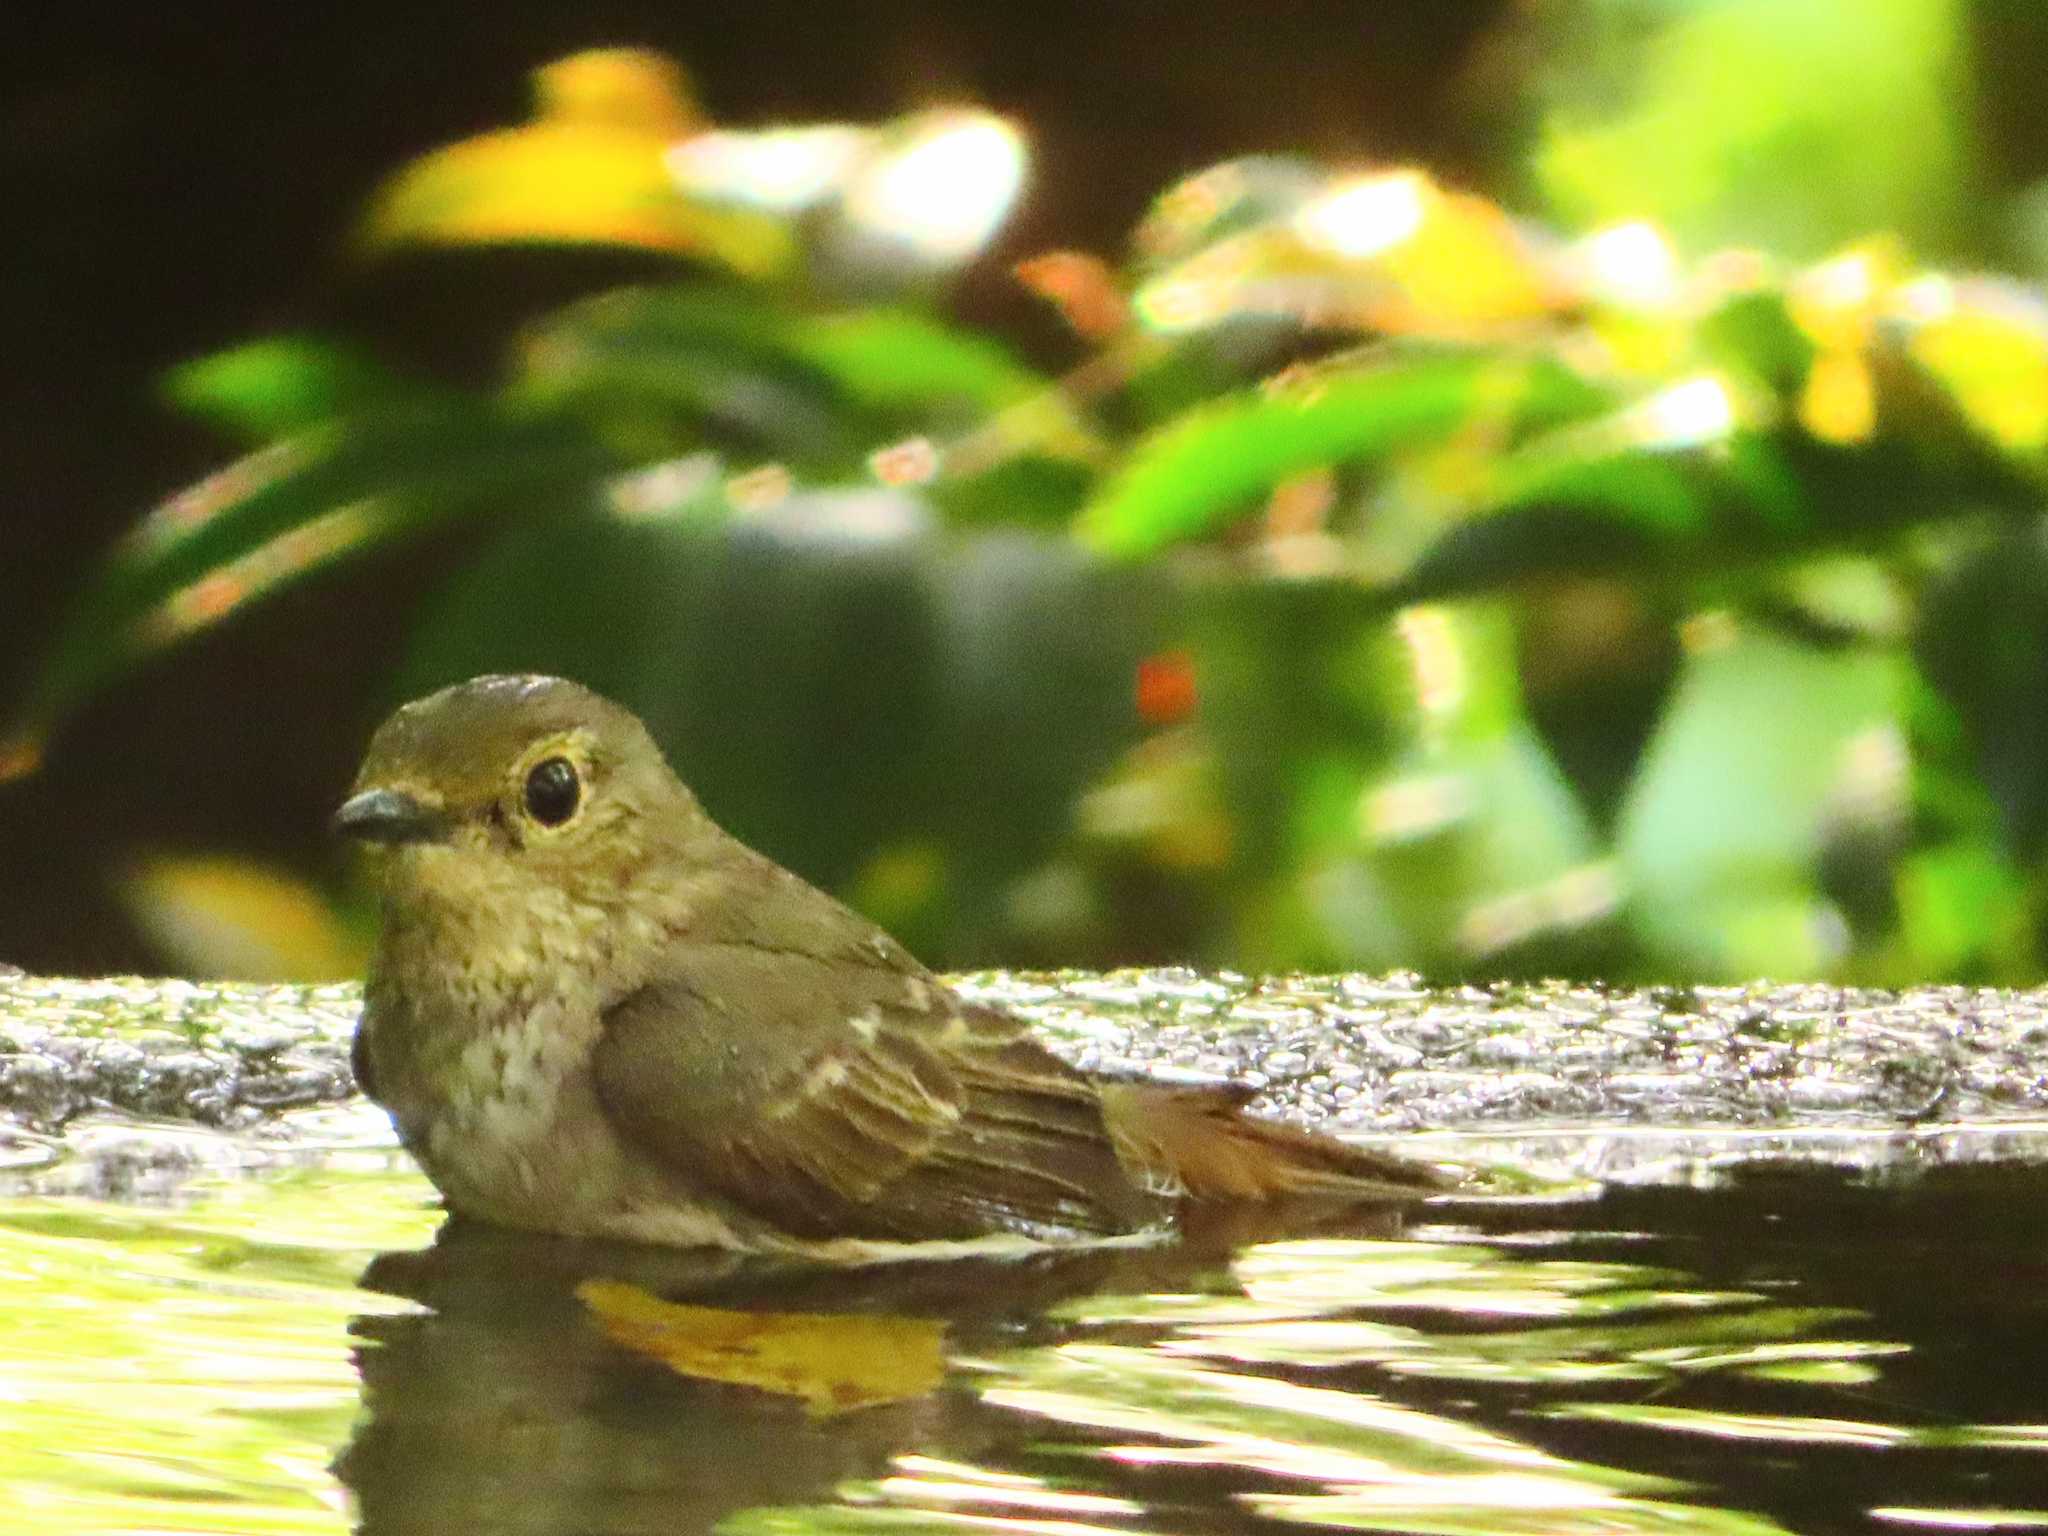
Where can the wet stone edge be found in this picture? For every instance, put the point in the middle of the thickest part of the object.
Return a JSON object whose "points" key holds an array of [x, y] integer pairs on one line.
{"points": [[1358, 1054]]}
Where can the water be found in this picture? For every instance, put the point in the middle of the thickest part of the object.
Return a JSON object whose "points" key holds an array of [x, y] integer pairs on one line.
{"points": [[307, 1349]]}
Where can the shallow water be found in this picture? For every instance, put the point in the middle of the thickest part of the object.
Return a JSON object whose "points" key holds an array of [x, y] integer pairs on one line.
{"points": [[307, 1349]]}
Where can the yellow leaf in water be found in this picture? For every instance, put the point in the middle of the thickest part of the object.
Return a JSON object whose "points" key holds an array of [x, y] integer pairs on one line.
{"points": [[834, 1362], [216, 916]]}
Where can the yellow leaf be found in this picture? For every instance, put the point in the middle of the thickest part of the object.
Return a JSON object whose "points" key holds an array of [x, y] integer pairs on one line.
{"points": [[834, 1362], [633, 89], [1839, 402], [1466, 269], [1391, 251], [1837, 302], [1994, 360], [592, 168], [225, 917]]}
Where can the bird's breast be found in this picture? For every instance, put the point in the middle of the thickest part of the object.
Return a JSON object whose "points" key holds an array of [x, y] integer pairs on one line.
{"points": [[488, 1077]]}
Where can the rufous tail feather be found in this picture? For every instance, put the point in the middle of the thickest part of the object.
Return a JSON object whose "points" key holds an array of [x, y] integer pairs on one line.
{"points": [[1198, 1143]]}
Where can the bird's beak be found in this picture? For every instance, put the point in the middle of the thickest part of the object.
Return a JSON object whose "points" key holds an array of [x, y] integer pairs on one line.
{"points": [[390, 816]]}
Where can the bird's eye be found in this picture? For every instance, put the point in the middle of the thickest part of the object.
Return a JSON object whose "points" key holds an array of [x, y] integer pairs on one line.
{"points": [[552, 790]]}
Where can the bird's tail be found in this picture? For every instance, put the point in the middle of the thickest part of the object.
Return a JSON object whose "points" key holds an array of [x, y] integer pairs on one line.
{"points": [[1198, 1143]]}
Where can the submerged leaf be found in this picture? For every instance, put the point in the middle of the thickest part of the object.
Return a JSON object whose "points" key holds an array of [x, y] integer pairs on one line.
{"points": [[833, 1362]]}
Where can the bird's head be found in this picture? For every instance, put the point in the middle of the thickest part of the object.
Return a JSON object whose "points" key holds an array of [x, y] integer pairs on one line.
{"points": [[496, 793]]}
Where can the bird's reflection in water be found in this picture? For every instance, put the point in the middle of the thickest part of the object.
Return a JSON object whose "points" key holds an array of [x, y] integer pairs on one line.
{"points": [[549, 1384]]}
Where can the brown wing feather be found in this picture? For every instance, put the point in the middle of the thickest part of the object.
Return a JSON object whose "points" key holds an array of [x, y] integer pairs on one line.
{"points": [[797, 1063], [859, 1103]]}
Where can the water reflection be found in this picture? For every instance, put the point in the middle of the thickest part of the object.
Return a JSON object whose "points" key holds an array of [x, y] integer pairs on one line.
{"points": [[1789, 1353], [537, 1381], [187, 1369]]}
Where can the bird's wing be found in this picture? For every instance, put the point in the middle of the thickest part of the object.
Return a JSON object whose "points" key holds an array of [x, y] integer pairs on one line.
{"points": [[838, 1090], [359, 1060]]}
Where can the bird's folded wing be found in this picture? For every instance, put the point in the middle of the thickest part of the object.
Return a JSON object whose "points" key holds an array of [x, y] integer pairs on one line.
{"points": [[872, 1103]]}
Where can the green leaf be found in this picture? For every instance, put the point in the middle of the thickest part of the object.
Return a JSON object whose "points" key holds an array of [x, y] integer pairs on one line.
{"points": [[1468, 840], [660, 370], [1614, 496], [1768, 753], [1983, 641], [1754, 332], [899, 361], [291, 508], [1214, 464], [281, 384], [1559, 511], [1959, 905]]}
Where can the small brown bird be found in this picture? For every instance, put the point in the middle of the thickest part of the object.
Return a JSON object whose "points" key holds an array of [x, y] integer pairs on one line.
{"points": [[593, 1012]]}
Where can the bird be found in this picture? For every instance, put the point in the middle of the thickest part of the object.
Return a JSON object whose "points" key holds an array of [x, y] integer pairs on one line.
{"points": [[592, 1012]]}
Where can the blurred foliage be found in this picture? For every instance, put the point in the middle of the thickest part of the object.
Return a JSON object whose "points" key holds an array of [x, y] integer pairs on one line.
{"points": [[1387, 581], [1760, 121]]}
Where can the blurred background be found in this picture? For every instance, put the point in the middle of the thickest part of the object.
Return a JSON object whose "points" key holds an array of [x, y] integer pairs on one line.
{"points": [[1527, 487]]}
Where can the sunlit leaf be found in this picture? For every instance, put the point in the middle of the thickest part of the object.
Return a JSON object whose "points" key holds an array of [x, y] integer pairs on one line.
{"points": [[281, 385], [590, 168], [1388, 252], [834, 1363], [1213, 464], [784, 169], [937, 188], [884, 208], [1988, 345], [1453, 264]]}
